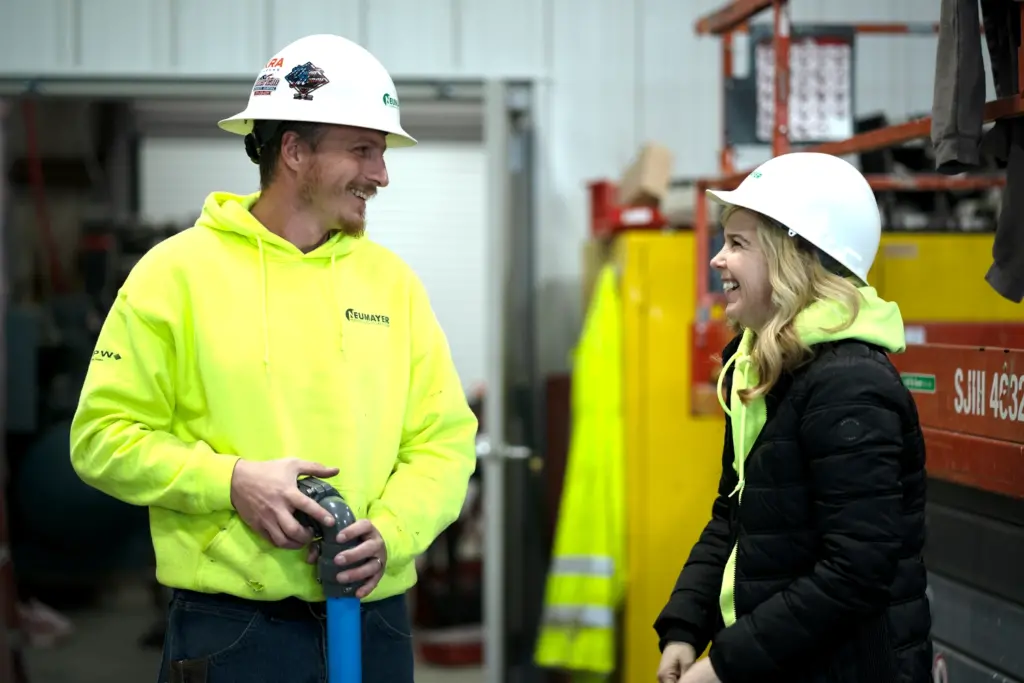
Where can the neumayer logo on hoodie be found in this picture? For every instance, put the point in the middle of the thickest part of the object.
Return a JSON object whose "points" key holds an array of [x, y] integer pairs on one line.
{"points": [[369, 318]]}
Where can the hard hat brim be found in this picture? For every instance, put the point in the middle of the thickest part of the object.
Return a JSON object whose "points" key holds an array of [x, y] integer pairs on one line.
{"points": [[241, 124], [728, 198], [723, 197]]}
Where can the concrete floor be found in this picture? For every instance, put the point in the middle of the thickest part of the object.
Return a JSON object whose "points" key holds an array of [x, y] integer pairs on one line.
{"points": [[104, 649]]}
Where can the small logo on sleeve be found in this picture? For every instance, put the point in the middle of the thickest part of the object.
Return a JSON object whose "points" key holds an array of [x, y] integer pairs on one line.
{"points": [[367, 318], [100, 354]]}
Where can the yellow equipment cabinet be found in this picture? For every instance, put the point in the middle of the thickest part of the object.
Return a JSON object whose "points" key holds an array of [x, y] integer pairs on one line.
{"points": [[940, 277], [673, 458]]}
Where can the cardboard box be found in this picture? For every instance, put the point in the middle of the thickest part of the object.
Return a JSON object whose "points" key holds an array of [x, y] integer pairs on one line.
{"points": [[647, 179], [680, 205]]}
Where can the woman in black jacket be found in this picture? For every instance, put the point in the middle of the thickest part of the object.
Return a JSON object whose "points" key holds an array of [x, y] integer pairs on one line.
{"points": [[810, 570]]}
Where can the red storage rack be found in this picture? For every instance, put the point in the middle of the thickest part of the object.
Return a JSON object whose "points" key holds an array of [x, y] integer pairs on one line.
{"points": [[607, 217]]}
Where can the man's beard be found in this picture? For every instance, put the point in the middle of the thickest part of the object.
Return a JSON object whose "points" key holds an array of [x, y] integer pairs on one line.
{"points": [[312, 187], [350, 228]]}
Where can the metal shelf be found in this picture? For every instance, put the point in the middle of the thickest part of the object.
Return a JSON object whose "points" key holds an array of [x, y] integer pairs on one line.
{"points": [[730, 17], [891, 136]]}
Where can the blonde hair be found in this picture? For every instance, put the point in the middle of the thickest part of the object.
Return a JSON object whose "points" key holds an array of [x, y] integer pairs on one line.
{"points": [[800, 275]]}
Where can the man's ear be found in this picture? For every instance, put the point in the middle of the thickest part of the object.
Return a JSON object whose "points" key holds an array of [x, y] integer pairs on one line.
{"points": [[294, 152]]}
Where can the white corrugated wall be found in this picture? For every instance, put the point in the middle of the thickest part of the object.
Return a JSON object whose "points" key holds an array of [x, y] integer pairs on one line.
{"points": [[612, 74]]}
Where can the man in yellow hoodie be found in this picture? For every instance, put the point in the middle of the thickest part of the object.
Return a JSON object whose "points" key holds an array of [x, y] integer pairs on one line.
{"points": [[271, 341]]}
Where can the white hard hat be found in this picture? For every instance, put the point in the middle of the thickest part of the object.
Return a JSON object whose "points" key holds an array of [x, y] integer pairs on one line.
{"points": [[324, 79], [819, 197]]}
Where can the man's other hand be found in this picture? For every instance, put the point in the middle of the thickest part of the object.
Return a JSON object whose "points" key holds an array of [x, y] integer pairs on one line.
{"points": [[266, 496], [372, 548]]}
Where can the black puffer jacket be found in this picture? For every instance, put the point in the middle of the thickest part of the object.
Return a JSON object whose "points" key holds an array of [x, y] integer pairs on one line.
{"points": [[830, 583]]}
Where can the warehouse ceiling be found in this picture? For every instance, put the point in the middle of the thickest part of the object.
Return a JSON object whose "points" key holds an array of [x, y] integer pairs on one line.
{"points": [[447, 119], [451, 110]]}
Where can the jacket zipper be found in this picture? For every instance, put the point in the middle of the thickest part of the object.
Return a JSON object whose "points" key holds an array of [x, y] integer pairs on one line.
{"points": [[735, 575]]}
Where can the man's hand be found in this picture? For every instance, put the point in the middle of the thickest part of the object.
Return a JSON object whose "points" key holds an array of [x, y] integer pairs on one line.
{"points": [[372, 547], [676, 659], [266, 497], [701, 672]]}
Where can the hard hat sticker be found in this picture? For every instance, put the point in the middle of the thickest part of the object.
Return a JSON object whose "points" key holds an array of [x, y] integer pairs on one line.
{"points": [[390, 101], [304, 79], [265, 85]]}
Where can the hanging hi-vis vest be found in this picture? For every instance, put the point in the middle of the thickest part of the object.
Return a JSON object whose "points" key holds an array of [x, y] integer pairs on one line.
{"points": [[585, 583]]}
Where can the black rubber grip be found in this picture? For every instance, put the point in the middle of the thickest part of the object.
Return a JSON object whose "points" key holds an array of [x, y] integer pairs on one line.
{"points": [[327, 571]]}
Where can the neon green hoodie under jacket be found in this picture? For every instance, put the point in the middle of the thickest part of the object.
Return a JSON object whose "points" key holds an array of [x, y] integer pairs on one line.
{"points": [[227, 342], [879, 322]]}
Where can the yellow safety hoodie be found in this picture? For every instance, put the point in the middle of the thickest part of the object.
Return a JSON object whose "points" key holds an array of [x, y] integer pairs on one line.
{"points": [[586, 580], [879, 322], [228, 342]]}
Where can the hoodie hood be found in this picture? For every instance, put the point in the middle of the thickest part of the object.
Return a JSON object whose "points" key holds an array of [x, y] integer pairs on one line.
{"points": [[878, 322], [232, 213]]}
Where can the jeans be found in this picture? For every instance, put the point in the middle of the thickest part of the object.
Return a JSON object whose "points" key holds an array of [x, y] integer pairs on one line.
{"points": [[223, 639]]}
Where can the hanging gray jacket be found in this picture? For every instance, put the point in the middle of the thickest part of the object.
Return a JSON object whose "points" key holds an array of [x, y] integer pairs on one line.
{"points": [[958, 117]]}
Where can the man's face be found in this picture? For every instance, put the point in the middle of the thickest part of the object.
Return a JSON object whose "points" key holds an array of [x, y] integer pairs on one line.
{"points": [[342, 174]]}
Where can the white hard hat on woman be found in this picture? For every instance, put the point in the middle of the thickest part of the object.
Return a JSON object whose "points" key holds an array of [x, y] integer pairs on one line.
{"points": [[820, 197]]}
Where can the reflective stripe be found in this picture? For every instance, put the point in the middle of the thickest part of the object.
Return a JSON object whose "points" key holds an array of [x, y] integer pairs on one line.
{"points": [[591, 565], [579, 616]]}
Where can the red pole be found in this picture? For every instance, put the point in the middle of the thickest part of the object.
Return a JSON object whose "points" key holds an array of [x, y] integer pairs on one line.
{"points": [[725, 160], [702, 234], [1020, 56], [780, 133]]}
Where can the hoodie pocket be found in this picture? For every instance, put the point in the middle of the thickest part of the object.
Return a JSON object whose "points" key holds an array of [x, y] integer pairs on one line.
{"points": [[236, 552]]}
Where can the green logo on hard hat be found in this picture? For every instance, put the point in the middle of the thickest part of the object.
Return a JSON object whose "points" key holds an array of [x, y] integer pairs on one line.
{"points": [[755, 174], [390, 101]]}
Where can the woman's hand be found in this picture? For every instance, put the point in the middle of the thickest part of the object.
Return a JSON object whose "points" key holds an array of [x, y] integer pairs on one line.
{"points": [[701, 672], [675, 660]]}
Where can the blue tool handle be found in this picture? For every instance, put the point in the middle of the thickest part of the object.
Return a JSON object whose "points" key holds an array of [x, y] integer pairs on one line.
{"points": [[344, 619], [344, 641]]}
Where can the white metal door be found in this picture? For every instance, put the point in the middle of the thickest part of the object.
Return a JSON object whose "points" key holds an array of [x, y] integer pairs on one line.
{"points": [[493, 451]]}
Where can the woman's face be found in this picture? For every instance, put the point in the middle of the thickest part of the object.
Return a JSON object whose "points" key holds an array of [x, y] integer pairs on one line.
{"points": [[744, 270]]}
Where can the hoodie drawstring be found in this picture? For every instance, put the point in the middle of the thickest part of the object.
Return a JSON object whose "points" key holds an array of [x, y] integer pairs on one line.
{"points": [[275, 397], [337, 303], [263, 301], [721, 380], [281, 415], [742, 361]]}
